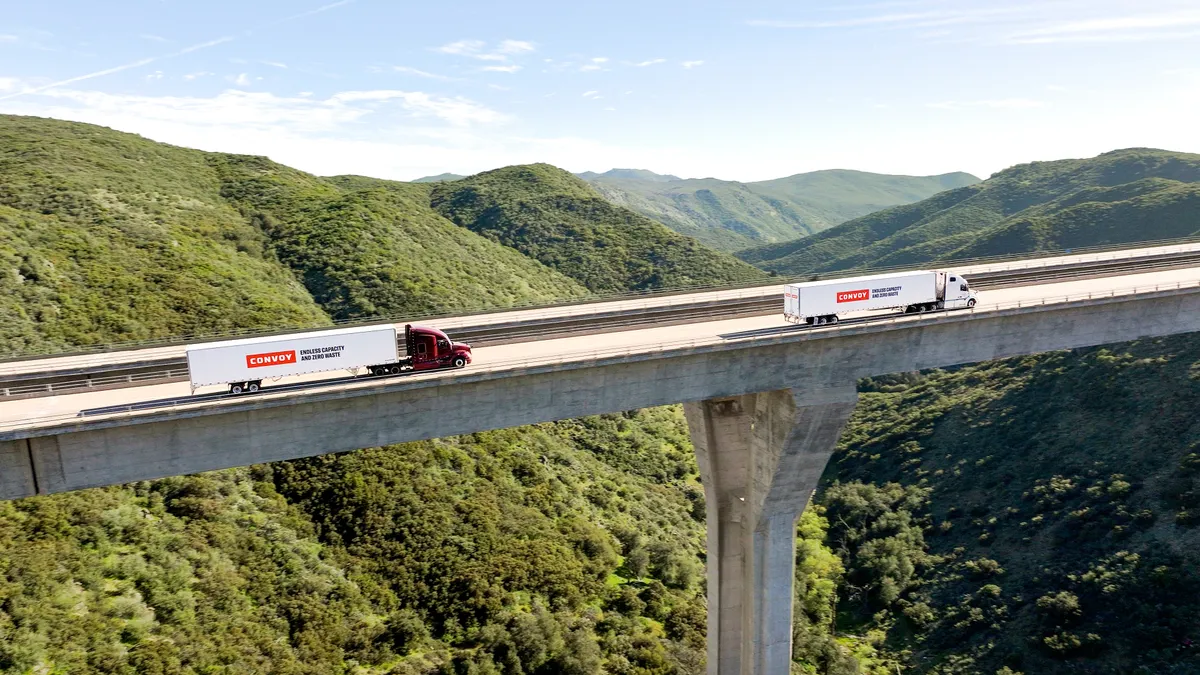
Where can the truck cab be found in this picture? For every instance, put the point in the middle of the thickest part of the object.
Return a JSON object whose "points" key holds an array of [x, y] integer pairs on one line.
{"points": [[958, 292], [430, 348]]}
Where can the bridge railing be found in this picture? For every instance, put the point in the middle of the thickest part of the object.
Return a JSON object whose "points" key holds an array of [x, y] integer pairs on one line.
{"points": [[790, 334], [1029, 259]]}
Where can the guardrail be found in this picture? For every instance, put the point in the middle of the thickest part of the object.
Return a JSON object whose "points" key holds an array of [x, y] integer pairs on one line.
{"points": [[591, 299], [581, 357], [556, 323]]}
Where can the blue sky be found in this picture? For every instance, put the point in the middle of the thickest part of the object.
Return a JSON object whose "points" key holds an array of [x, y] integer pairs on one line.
{"points": [[738, 90]]}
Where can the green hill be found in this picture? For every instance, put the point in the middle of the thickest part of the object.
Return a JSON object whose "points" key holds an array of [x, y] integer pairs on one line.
{"points": [[559, 220], [439, 178], [107, 236], [1118, 197], [730, 216]]}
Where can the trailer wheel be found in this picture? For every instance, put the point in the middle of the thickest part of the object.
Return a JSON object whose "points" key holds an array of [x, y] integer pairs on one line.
{"points": [[460, 362], [971, 303], [393, 370], [833, 319], [235, 388], [252, 387]]}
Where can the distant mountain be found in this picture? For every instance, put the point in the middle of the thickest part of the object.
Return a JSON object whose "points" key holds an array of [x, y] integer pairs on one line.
{"points": [[730, 216], [562, 222], [1121, 196], [440, 178], [628, 174]]}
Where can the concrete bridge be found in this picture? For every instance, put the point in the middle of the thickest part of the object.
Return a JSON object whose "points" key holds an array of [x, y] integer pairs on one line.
{"points": [[765, 403]]}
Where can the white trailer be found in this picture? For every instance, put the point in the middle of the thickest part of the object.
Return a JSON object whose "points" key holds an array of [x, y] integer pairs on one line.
{"points": [[244, 364], [824, 302]]}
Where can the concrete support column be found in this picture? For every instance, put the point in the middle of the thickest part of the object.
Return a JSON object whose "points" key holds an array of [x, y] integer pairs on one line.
{"points": [[760, 458]]}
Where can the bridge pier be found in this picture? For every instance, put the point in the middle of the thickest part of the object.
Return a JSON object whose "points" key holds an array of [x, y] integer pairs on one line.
{"points": [[760, 458]]}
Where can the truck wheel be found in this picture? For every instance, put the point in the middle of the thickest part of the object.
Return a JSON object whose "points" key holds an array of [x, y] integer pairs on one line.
{"points": [[235, 388], [394, 370], [252, 387], [460, 362], [833, 319], [971, 303]]}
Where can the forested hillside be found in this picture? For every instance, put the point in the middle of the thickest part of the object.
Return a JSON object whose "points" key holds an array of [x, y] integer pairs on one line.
{"points": [[559, 220], [731, 216], [1118, 197]]}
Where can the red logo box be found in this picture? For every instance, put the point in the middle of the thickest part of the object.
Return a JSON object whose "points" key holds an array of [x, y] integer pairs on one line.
{"points": [[854, 296], [270, 359]]}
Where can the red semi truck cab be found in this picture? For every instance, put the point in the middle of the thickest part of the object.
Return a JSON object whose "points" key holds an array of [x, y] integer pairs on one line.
{"points": [[430, 348]]}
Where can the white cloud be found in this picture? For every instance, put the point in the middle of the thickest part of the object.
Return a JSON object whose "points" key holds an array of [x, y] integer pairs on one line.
{"points": [[591, 94], [515, 47], [274, 64], [475, 49], [499, 87], [610, 108], [627, 93], [589, 67], [1006, 103], [196, 75], [305, 94], [156, 75], [502, 69], [1055, 87], [318, 10], [651, 62], [420, 73], [691, 64], [600, 59], [241, 80], [153, 38], [8, 83]]}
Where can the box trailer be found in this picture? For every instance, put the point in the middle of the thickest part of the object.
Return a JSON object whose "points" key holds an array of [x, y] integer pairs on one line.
{"points": [[824, 302], [244, 364]]}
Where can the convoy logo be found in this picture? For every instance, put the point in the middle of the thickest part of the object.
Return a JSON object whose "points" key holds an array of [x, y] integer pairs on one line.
{"points": [[854, 296], [270, 359]]}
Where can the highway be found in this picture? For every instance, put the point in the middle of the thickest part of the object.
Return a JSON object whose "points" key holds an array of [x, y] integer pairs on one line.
{"points": [[29, 413], [127, 367]]}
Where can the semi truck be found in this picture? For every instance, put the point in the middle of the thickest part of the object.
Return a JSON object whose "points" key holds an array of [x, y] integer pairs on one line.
{"points": [[244, 364], [817, 303]]}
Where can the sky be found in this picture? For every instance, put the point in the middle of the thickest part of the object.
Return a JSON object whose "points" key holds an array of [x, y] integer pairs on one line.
{"points": [[740, 90]]}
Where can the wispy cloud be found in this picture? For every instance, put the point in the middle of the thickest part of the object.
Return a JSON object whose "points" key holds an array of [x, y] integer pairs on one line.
{"points": [[196, 75], [156, 75], [600, 59], [421, 73], [153, 38], [241, 80], [691, 64], [589, 67], [592, 94], [1009, 103], [318, 10], [8, 83], [274, 64], [1047, 22], [117, 69], [502, 69], [477, 49], [650, 62]]}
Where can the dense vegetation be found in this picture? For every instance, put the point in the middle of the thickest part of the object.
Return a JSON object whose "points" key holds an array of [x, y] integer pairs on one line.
{"points": [[1036, 514], [558, 219], [1032, 515], [107, 236], [1119, 197], [731, 216]]}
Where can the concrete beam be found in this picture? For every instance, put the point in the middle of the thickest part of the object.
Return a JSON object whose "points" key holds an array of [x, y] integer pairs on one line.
{"points": [[760, 458]]}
